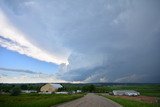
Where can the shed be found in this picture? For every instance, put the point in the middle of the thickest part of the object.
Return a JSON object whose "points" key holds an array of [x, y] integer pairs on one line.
{"points": [[126, 92], [49, 88]]}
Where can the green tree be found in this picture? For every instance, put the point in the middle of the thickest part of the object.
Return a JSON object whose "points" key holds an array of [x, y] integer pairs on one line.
{"points": [[16, 91], [24, 87], [88, 88]]}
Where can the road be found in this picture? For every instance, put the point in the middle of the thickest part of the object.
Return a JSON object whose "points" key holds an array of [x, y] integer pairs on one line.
{"points": [[90, 100]]}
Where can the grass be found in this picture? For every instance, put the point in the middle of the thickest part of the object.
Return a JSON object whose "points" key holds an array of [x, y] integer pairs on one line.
{"points": [[35, 100], [131, 103]]}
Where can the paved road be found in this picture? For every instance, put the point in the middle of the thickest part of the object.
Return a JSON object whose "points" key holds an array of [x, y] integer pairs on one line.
{"points": [[91, 100]]}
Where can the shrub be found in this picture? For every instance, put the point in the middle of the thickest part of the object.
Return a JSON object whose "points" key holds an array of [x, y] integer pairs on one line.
{"points": [[15, 91]]}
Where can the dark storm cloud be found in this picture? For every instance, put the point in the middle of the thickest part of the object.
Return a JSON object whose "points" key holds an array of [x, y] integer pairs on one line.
{"points": [[124, 36]]}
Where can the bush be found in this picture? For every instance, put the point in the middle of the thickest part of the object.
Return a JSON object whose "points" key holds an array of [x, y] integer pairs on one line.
{"points": [[15, 91]]}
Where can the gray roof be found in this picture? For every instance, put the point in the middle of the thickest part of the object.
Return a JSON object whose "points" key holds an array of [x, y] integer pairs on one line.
{"points": [[56, 86]]}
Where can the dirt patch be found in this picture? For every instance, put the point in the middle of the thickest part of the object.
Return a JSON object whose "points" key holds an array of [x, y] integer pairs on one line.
{"points": [[141, 98]]}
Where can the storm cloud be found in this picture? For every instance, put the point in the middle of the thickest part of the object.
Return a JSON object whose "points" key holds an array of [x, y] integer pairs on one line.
{"points": [[102, 41]]}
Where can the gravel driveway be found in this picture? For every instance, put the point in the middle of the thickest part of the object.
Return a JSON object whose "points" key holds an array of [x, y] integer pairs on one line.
{"points": [[90, 100]]}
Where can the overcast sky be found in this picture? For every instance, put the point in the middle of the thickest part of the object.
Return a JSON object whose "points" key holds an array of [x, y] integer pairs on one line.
{"points": [[79, 41]]}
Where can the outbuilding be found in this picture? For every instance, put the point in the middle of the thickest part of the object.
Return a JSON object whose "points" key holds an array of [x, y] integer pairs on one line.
{"points": [[50, 88], [126, 92], [28, 91]]}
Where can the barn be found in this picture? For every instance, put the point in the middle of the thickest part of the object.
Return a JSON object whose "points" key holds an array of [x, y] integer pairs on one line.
{"points": [[126, 92], [49, 88]]}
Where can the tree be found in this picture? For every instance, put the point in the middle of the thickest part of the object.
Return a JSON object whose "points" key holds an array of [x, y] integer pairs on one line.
{"points": [[16, 91], [91, 88], [24, 87], [88, 88]]}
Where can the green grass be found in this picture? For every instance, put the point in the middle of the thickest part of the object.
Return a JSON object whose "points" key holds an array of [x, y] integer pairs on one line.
{"points": [[131, 103], [35, 100]]}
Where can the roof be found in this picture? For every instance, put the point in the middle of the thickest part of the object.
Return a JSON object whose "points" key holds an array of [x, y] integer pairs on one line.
{"points": [[56, 86], [129, 91]]}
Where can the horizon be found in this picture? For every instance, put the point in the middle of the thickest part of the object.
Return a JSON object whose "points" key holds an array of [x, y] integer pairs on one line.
{"points": [[109, 83], [81, 83], [65, 41]]}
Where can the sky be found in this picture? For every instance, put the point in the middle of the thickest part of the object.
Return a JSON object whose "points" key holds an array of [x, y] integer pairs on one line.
{"points": [[79, 41]]}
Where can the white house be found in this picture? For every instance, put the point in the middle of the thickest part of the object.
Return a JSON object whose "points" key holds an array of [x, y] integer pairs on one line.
{"points": [[126, 92]]}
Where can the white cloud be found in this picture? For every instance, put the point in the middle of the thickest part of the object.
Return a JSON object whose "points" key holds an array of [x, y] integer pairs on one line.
{"points": [[15, 40], [28, 79], [25, 76]]}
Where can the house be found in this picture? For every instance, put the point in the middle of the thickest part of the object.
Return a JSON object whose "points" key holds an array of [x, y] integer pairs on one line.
{"points": [[126, 92], [50, 88]]}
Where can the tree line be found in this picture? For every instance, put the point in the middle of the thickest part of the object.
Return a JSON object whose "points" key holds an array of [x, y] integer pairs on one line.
{"points": [[16, 88]]}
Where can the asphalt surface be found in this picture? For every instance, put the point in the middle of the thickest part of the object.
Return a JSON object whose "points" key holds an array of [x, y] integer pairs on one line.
{"points": [[90, 100]]}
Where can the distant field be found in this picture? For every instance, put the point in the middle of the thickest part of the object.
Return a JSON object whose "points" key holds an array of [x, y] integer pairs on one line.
{"points": [[35, 100], [132, 103]]}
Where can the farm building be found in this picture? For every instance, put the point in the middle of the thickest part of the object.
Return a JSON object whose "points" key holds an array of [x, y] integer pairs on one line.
{"points": [[64, 92], [28, 91], [49, 88], [126, 92], [79, 91]]}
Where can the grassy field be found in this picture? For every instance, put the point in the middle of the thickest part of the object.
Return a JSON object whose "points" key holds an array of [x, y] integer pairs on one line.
{"points": [[35, 100], [132, 103]]}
